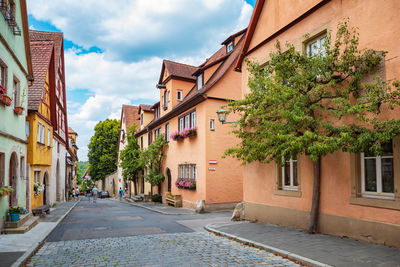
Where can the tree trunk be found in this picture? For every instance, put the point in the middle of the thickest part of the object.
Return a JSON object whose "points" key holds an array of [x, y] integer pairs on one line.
{"points": [[313, 223], [159, 188], [134, 185]]}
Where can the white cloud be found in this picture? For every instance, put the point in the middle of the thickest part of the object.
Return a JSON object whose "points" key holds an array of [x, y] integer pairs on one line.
{"points": [[134, 37]]}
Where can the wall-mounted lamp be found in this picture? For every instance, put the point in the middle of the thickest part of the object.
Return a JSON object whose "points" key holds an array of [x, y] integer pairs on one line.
{"points": [[222, 117]]}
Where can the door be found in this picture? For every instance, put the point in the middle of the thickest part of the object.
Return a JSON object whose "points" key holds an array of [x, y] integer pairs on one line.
{"points": [[45, 179], [169, 180]]}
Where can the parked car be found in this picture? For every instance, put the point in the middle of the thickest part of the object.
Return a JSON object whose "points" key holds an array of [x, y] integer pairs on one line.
{"points": [[104, 194]]}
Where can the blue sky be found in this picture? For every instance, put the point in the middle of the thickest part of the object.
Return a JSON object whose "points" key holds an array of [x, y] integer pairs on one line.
{"points": [[114, 49]]}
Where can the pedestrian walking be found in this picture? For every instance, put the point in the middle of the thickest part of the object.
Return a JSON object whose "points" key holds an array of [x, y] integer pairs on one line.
{"points": [[88, 194], [126, 194], [69, 194], [95, 191], [77, 193], [120, 193], [73, 193]]}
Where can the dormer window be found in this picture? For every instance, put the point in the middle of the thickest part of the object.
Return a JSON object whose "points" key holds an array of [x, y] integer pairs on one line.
{"points": [[199, 81], [229, 47], [179, 95]]}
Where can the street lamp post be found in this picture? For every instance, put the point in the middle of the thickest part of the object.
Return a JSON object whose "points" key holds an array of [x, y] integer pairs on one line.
{"points": [[222, 117]]}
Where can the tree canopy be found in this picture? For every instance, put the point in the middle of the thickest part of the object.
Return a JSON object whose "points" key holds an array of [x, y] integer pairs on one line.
{"points": [[103, 149], [130, 158], [315, 104], [152, 158]]}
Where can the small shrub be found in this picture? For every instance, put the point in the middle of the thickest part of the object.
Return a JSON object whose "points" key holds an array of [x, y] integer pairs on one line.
{"points": [[156, 198], [16, 209]]}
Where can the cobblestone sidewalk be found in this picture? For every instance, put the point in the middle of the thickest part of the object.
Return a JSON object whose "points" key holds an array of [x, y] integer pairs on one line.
{"points": [[332, 250], [182, 249]]}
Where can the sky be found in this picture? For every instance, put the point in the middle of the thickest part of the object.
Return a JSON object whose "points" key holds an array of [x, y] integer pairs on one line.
{"points": [[114, 49]]}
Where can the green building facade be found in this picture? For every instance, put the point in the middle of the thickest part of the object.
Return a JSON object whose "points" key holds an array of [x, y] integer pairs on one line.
{"points": [[15, 76]]}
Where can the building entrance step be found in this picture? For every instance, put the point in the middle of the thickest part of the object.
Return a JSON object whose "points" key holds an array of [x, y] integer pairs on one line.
{"points": [[25, 227]]}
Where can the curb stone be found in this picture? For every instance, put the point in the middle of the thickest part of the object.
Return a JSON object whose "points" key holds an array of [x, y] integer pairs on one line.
{"points": [[281, 252], [148, 208], [33, 248]]}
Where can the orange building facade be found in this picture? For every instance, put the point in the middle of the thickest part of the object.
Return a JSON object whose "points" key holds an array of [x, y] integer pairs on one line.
{"points": [[189, 98], [348, 207]]}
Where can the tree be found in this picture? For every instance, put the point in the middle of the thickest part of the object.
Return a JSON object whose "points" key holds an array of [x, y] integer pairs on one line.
{"points": [[81, 168], [152, 158], [103, 149], [130, 158], [315, 105]]}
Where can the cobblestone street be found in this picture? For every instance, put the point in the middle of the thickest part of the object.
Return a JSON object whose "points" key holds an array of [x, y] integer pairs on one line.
{"points": [[181, 249], [110, 233]]}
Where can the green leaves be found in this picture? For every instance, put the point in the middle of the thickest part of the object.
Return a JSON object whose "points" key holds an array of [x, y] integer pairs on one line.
{"points": [[103, 149], [130, 157], [315, 105], [152, 158]]}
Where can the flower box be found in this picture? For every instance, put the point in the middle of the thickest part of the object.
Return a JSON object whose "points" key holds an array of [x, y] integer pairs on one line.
{"points": [[179, 135], [186, 183], [18, 110], [5, 99], [38, 188]]}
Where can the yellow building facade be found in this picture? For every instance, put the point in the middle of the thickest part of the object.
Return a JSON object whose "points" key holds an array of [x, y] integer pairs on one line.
{"points": [[39, 123], [72, 135]]}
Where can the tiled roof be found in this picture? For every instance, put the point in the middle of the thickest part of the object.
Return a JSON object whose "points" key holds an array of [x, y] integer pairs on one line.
{"points": [[131, 114], [178, 70], [71, 131], [145, 107], [56, 37], [41, 55]]}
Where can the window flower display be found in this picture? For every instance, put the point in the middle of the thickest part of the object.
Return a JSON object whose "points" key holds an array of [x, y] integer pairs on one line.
{"points": [[186, 183]]}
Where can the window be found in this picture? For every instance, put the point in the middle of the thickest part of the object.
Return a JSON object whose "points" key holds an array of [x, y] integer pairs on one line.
{"points": [[2, 169], [377, 175], [193, 119], [16, 93], [40, 133], [212, 126], [229, 47], [289, 174], [179, 95], [187, 121], [141, 119], [3, 74], [199, 81], [150, 137], [188, 171], [27, 128], [194, 172], [36, 177], [48, 137], [167, 132], [157, 132], [180, 124], [165, 99], [316, 46], [141, 142]]}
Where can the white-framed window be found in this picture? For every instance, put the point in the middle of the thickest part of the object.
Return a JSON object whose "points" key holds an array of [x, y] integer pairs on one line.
{"points": [[36, 177], [16, 93], [289, 174], [181, 124], [187, 121], [48, 137], [316, 46], [179, 96], [229, 47], [141, 119], [212, 125], [193, 119], [3, 74], [165, 99], [40, 133], [194, 172], [167, 132], [187, 167], [199, 81], [182, 171], [377, 175]]}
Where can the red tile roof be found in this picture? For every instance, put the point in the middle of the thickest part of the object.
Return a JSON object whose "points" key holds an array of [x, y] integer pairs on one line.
{"points": [[71, 131], [177, 69], [131, 114], [145, 107], [56, 37], [41, 52]]}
